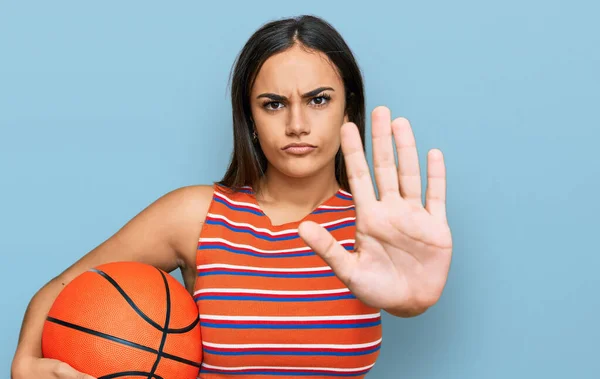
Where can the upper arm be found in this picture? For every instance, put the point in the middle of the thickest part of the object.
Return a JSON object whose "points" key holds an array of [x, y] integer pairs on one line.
{"points": [[164, 234]]}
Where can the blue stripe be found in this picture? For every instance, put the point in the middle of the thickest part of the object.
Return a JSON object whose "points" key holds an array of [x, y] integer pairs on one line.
{"points": [[290, 326], [281, 373], [237, 208], [267, 275], [294, 353], [269, 238], [344, 197], [254, 254], [343, 225], [242, 190], [282, 300]]}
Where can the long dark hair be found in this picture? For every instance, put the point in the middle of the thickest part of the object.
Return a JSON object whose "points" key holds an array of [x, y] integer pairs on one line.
{"points": [[248, 162]]}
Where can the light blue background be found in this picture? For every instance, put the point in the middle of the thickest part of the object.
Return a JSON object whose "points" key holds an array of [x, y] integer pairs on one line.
{"points": [[106, 106]]}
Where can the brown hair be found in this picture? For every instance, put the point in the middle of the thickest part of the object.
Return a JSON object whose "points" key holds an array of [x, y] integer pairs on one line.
{"points": [[248, 162]]}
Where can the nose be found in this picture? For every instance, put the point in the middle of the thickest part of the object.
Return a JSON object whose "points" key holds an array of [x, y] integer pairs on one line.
{"points": [[297, 122]]}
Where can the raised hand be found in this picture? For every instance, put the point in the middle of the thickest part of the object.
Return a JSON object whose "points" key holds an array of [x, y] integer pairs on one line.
{"points": [[403, 248]]}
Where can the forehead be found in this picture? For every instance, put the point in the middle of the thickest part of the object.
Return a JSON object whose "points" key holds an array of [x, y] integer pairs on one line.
{"points": [[296, 70]]}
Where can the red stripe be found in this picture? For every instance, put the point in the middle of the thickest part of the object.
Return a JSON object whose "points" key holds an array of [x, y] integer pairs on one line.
{"points": [[311, 322], [274, 235], [293, 350]]}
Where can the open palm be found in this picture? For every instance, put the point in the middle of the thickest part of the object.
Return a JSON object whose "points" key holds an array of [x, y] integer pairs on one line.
{"points": [[402, 248]]}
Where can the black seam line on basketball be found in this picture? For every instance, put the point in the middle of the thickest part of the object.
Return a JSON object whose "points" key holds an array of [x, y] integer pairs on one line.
{"points": [[123, 342], [128, 373], [165, 327], [185, 329], [102, 335], [180, 360], [139, 311], [128, 299]]}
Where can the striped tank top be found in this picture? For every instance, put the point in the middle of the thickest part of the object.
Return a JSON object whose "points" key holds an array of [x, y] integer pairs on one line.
{"points": [[269, 306]]}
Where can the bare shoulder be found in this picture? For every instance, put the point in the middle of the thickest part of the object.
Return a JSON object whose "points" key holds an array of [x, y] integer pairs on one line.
{"points": [[189, 206], [187, 209], [164, 234], [190, 199]]}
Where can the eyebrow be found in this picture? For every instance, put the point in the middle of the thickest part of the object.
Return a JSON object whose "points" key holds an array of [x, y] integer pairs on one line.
{"points": [[276, 97]]}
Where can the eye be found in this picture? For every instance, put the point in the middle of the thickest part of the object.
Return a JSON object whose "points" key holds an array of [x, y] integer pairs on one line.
{"points": [[320, 101], [272, 105]]}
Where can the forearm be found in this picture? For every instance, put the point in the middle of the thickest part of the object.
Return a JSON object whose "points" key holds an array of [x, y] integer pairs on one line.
{"points": [[30, 337]]}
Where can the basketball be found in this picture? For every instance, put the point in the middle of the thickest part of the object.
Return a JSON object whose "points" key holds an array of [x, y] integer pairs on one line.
{"points": [[125, 320]]}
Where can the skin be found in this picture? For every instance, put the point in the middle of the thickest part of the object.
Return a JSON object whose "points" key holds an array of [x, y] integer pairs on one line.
{"points": [[294, 185], [165, 234], [403, 248]]}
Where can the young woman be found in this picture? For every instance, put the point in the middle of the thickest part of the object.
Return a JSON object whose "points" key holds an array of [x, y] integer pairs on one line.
{"points": [[291, 253]]}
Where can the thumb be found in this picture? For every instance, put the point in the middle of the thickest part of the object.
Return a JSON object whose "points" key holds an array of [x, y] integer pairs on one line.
{"points": [[324, 245]]}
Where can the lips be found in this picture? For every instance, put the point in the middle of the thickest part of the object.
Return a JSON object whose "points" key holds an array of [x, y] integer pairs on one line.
{"points": [[298, 145], [299, 148]]}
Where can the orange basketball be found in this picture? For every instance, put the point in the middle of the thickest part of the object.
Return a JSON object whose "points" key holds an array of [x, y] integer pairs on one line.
{"points": [[125, 320]]}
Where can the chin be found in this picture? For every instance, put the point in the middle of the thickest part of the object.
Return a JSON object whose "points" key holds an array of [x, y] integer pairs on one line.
{"points": [[298, 172], [302, 168]]}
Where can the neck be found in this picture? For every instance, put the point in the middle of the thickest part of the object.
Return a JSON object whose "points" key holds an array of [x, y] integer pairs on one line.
{"points": [[305, 192]]}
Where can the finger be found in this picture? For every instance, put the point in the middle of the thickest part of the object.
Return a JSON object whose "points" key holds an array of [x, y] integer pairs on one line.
{"points": [[359, 176], [63, 370], [384, 162], [324, 245], [409, 174], [435, 197]]}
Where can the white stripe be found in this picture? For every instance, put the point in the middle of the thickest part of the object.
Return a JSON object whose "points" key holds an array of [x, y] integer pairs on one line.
{"points": [[250, 268], [240, 203], [286, 345], [267, 231], [334, 369], [345, 193], [290, 318], [335, 207], [270, 292], [252, 248]]}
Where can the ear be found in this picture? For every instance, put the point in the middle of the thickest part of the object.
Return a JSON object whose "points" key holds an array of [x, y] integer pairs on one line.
{"points": [[346, 118]]}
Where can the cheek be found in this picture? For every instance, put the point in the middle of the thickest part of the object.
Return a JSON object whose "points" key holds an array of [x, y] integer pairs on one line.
{"points": [[269, 140], [333, 140], [330, 132]]}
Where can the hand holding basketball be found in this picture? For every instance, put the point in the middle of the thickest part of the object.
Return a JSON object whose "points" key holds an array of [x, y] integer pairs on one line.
{"points": [[124, 320], [44, 368]]}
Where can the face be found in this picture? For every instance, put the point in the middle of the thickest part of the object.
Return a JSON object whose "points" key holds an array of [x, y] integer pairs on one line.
{"points": [[298, 105]]}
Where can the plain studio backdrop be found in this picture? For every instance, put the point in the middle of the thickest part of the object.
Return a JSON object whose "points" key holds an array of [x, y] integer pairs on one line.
{"points": [[105, 107]]}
